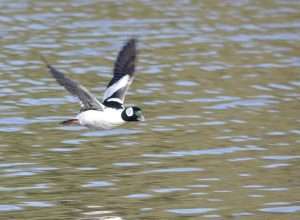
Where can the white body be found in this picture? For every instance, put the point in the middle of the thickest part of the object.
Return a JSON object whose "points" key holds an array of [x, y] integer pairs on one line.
{"points": [[106, 119]]}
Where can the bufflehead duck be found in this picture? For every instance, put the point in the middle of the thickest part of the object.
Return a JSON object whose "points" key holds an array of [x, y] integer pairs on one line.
{"points": [[111, 112]]}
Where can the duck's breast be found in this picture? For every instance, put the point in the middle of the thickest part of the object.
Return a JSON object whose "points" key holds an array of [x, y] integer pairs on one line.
{"points": [[106, 119]]}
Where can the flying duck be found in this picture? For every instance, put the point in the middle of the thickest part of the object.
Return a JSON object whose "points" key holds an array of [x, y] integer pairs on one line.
{"points": [[111, 112]]}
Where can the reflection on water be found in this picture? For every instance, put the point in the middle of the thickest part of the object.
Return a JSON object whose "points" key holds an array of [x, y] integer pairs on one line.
{"points": [[219, 84]]}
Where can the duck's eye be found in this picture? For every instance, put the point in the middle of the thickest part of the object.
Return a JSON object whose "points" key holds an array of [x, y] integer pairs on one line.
{"points": [[129, 112]]}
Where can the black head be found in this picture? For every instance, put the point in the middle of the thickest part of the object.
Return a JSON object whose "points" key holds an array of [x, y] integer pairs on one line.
{"points": [[132, 113]]}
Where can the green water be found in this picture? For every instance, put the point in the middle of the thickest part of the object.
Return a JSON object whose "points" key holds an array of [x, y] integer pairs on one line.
{"points": [[218, 82]]}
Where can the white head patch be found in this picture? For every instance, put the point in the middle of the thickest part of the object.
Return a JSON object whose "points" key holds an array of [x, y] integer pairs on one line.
{"points": [[129, 112]]}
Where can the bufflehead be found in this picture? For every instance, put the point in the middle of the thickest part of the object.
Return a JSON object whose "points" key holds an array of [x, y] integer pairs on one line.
{"points": [[111, 112]]}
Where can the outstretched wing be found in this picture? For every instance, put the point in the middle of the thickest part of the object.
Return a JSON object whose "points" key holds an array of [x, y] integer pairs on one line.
{"points": [[123, 74], [88, 101]]}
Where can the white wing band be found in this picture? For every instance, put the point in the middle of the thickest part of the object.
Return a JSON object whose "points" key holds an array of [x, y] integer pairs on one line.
{"points": [[121, 83], [115, 100]]}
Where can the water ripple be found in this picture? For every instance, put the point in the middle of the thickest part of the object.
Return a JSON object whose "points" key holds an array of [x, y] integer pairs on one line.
{"points": [[243, 103], [169, 190], [38, 204], [139, 196], [191, 211], [214, 151], [281, 157], [98, 184], [174, 170], [9, 208], [281, 209], [25, 171], [113, 132], [25, 188]]}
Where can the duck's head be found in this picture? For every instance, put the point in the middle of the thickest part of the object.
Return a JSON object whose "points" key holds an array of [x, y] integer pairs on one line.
{"points": [[132, 113]]}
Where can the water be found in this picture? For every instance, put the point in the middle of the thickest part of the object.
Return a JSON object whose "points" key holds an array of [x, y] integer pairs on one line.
{"points": [[219, 84]]}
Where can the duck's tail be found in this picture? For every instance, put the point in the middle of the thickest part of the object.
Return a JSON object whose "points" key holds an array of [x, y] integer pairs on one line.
{"points": [[72, 121]]}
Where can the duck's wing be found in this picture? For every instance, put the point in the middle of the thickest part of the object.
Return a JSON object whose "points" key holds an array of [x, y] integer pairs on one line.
{"points": [[87, 100], [124, 67]]}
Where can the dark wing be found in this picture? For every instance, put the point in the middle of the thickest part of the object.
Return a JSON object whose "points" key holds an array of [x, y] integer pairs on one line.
{"points": [[88, 101], [123, 74]]}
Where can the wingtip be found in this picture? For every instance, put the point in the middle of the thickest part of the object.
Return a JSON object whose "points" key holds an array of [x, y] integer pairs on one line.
{"points": [[43, 58], [132, 41]]}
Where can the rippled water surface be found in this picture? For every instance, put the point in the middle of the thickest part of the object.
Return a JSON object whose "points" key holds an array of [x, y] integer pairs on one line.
{"points": [[219, 82]]}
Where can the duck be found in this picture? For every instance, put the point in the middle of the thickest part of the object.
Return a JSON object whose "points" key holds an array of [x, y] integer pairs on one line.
{"points": [[111, 111]]}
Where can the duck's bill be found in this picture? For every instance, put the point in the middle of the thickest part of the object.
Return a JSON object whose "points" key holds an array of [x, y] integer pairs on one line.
{"points": [[141, 118]]}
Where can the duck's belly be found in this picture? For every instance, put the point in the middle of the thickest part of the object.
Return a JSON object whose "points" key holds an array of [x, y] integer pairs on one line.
{"points": [[100, 119]]}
